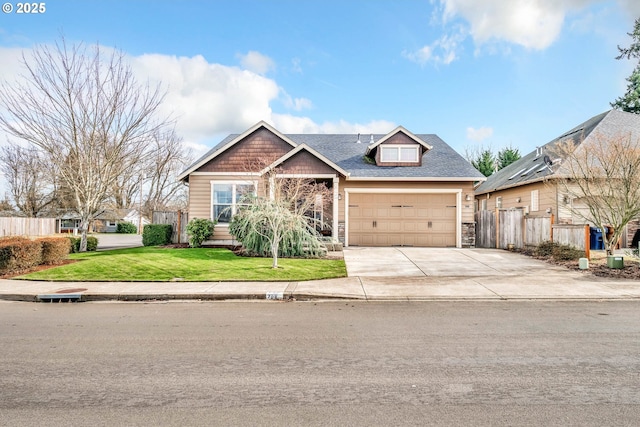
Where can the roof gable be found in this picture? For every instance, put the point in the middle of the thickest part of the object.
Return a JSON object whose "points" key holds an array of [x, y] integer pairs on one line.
{"points": [[371, 148], [229, 143], [297, 152]]}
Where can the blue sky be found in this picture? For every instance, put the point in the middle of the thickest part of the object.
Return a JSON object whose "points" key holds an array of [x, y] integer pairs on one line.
{"points": [[490, 72]]}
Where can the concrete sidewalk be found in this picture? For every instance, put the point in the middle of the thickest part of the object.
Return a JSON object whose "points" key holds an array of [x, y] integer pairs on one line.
{"points": [[563, 285]]}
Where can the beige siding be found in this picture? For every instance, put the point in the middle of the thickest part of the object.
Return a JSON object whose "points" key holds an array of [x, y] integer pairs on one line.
{"points": [[200, 199], [520, 197]]}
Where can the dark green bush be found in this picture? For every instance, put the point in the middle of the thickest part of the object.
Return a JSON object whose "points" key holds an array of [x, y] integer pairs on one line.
{"points": [[567, 253], [126, 228], [19, 253], [558, 252], [545, 249], [92, 244], [54, 249], [199, 230], [156, 234]]}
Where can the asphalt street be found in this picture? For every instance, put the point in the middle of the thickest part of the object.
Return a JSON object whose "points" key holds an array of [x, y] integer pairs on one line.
{"points": [[320, 363]]}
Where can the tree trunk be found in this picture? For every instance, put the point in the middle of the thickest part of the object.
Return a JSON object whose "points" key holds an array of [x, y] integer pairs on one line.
{"points": [[84, 230], [274, 253]]}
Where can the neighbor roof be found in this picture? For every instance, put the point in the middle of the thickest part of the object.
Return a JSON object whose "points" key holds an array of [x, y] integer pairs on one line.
{"points": [[542, 163], [439, 162]]}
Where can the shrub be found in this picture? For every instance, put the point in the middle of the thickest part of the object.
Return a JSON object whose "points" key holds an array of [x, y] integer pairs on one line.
{"points": [[126, 228], [92, 244], [545, 249], [156, 234], [567, 253], [54, 249], [199, 230], [558, 252], [19, 253]]}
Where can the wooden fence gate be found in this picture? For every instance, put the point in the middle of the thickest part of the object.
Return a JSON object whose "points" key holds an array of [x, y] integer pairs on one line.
{"points": [[178, 220]]}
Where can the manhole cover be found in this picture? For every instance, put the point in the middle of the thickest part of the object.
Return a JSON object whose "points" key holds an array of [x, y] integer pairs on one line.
{"points": [[71, 291]]}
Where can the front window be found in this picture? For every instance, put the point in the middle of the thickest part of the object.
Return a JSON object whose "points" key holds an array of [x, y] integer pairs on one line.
{"points": [[226, 197], [399, 153]]}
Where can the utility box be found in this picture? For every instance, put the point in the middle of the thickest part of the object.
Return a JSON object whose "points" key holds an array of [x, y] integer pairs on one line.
{"points": [[614, 261]]}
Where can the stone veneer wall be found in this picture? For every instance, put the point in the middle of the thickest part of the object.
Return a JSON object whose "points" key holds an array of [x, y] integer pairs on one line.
{"points": [[468, 234]]}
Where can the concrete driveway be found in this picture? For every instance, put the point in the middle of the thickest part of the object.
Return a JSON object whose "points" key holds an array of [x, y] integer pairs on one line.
{"points": [[425, 262]]}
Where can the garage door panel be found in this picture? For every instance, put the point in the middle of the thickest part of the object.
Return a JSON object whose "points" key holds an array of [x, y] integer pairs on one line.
{"points": [[412, 219]]}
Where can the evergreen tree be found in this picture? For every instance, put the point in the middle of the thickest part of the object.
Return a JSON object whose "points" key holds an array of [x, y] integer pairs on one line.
{"points": [[630, 101], [506, 156], [485, 162]]}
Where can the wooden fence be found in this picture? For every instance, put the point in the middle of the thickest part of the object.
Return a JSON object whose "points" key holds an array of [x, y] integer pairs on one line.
{"points": [[509, 228], [178, 221], [15, 226]]}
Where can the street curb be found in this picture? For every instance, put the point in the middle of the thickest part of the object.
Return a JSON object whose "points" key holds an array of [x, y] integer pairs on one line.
{"points": [[64, 298]]}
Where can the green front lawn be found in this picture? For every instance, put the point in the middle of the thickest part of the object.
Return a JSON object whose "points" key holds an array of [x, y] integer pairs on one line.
{"points": [[165, 264]]}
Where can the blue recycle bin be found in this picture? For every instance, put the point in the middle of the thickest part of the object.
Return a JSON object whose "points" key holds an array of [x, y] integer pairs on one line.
{"points": [[596, 241]]}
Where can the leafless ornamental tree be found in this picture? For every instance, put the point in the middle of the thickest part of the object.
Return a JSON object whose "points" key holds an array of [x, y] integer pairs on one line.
{"points": [[602, 178], [85, 110]]}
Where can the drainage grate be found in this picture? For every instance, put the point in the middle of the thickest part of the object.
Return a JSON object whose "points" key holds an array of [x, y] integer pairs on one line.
{"points": [[63, 295]]}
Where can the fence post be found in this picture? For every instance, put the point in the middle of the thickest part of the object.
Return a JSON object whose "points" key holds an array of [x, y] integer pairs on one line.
{"points": [[179, 224], [587, 241], [497, 228], [551, 227]]}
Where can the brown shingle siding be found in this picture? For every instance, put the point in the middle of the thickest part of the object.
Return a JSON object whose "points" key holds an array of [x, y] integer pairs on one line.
{"points": [[249, 155], [305, 163]]}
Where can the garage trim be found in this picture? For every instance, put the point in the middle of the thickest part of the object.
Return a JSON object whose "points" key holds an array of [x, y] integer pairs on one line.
{"points": [[457, 192]]}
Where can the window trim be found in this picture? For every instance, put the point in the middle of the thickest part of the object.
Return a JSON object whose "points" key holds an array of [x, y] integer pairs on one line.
{"points": [[234, 196], [535, 201], [398, 148]]}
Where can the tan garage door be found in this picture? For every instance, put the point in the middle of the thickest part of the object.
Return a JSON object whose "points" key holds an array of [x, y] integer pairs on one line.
{"points": [[402, 219]]}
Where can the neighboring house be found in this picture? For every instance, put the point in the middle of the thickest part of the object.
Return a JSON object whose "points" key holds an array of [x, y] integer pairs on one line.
{"points": [[529, 183], [105, 222], [397, 189]]}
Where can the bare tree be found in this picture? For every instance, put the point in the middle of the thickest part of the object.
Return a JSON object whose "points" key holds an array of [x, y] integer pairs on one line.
{"points": [[84, 109], [601, 177], [167, 159], [153, 182], [29, 178]]}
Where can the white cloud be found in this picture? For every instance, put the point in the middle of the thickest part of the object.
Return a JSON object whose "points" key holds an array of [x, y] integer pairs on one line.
{"points": [[208, 98], [480, 134], [256, 62], [534, 24], [632, 6], [420, 56], [442, 51]]}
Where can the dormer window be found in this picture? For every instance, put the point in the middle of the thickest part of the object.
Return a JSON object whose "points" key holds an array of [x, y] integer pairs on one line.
{"points": [[400, 153]]}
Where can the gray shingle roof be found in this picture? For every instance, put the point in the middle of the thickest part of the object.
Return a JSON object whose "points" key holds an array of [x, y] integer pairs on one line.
{"points": [[531, 167], [441, 161]]}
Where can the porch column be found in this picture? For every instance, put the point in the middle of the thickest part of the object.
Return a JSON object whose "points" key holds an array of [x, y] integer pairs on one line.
{"points": [[336, 200]]}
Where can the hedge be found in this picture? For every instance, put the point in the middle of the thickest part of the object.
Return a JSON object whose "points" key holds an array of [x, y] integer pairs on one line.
{"points": [[54, 249], [157, 234], [126, 228], [92, 244], [19, 253]]}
